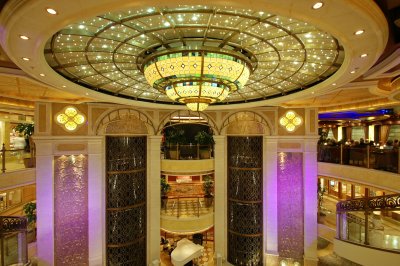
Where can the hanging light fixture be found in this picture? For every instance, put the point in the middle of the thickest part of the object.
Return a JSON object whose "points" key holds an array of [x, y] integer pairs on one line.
{"points": [[197, 78]]}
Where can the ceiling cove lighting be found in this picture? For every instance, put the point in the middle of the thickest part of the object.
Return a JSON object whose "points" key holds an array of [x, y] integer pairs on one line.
{"points": [[318, 5], [208, 62], [51, 11], [197, 78]]}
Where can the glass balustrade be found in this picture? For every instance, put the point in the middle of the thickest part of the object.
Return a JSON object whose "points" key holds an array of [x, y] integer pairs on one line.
{"points": [[187, 152], [13, 241], [16, 159], [362, 221], [190, 206], [371, 157]]}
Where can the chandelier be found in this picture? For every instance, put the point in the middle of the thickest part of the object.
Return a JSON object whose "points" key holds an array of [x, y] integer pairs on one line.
{"points": [[197, 78]]}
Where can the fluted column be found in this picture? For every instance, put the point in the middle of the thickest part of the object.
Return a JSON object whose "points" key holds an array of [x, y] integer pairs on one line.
{"points": [[220, 199], [310, 201], [45, 202], [153, 197], [270, 183], [96, 200]]}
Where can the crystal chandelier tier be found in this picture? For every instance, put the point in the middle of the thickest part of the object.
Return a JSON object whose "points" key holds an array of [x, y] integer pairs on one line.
{"points": [[197, 78]]}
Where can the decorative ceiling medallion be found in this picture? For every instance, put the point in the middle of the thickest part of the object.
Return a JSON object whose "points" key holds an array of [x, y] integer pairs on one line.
{"points": [[70, 118], [194, 55], [291, 121]]}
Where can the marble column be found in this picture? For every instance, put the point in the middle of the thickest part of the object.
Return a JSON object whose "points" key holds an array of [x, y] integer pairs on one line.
{"points": [[310, 175], [220, 199], [153, 197], [270, 183], [45, 202], [96, 200]]}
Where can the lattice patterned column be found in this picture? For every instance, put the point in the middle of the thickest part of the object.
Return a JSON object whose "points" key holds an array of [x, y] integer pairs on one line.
{"points": [[245, 200], [126, 200]]}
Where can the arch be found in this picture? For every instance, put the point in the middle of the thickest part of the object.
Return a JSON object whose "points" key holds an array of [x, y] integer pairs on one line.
{"points": [[187, 116], [124, 121], [246, 123]]}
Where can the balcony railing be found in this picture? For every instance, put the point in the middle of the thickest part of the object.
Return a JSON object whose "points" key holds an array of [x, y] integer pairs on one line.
{"points": [[15, 159], [187, 152], [368, 157], [13, 241], [188, 206], [360, 221]]}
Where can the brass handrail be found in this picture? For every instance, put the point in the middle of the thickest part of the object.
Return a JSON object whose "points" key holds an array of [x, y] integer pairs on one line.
{"points": [[3, 156]]}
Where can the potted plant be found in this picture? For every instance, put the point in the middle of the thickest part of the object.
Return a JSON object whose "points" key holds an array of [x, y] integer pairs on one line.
{"points": [[174, 137], [27, 130], [208, 187], [205, 142], [165, 188], [321, 192], [30, 213]]}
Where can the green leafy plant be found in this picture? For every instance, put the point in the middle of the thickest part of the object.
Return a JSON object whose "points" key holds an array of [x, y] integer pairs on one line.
{"points": [[30, 212], [203, 138], [208, 185], [165, 187], [25, 129], [175, 136]]}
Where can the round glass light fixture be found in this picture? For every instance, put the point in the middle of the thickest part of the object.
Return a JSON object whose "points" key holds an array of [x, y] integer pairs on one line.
{"points": [[290, 121], [70, 118], [197, 78]]}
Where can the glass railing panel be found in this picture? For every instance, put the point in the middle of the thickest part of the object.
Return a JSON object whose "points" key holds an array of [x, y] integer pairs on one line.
{"points": [[182, 207], [368, 222], [187, 152], [379, 158], [15, 160]]}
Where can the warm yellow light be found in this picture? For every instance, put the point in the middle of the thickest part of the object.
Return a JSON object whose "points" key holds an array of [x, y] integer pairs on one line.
{"points": [[70, 118], [197, 78], [290, 121]]}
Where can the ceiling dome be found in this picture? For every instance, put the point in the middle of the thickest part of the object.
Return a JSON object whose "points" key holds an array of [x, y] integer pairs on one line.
{"points": [[109, 53]]}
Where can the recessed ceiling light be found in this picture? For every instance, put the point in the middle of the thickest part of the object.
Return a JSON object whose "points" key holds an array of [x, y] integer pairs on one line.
{"points": [[317, 5], [25, 58], [364, 55], [359, 32], [64, 86], [51, 11], [87, 93], [167, 24], [333, 84], [41, 74], [352, 72], [23, 37]]}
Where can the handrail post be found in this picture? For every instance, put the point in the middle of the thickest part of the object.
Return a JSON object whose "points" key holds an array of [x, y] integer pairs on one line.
{"points": [[198, 151], [179, 208], [3, 158], [398, 160], [198, 207], [366, 213], [341, 153], [177, 151], [368, 156]]}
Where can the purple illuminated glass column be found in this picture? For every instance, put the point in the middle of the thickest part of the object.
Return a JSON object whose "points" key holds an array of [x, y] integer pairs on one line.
{"points": [[290, 205], [71, 210]]}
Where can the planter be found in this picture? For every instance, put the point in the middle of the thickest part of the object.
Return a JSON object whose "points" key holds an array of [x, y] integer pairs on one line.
{"points": [[205, 154], [173, 155], [208, 201], [164, 202], [28, 162]]}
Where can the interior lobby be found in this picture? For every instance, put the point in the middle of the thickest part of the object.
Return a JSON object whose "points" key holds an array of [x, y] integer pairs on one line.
{"points": [[225, 103]]}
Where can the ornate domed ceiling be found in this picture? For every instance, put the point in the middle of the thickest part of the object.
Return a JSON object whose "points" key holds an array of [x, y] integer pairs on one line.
{"points": [[108, 53], [245, 55]]}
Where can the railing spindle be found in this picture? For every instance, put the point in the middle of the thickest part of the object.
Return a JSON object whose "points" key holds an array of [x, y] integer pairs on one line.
{"points": [[3, 158]]}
